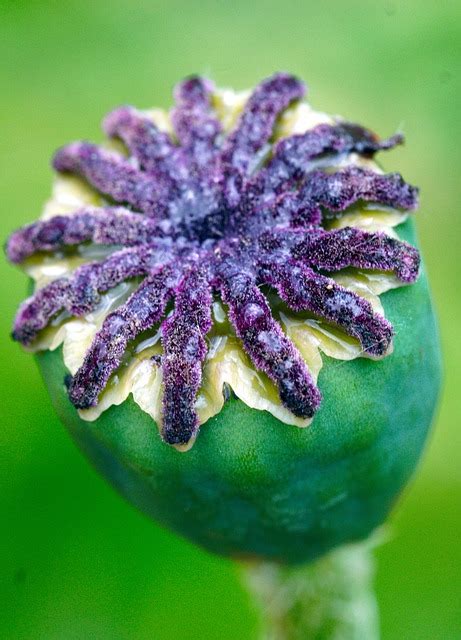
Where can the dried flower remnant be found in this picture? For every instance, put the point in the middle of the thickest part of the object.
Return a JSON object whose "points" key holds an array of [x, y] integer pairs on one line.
{"points": [[201, 214]]}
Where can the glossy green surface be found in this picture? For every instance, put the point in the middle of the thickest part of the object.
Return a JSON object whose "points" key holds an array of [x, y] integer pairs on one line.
{"points": [[76, 561], [253, 486]]}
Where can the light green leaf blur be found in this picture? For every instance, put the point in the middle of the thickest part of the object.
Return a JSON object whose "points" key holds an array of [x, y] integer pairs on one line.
{"points": [[75, 560]]}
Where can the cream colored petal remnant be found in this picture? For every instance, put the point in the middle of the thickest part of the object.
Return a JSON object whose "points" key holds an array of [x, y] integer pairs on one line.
{"points": [[227, 365], [69, 193]]}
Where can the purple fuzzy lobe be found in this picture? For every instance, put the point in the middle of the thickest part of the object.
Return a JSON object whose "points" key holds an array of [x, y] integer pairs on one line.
{"points": [[337, 191], [201, 215], [255, 126], [112, 175], [305, 290], [80, 293], [143, 309], [348, 247], [195, 124], [153, 149], [116, 226], [266, 344], [184, 350]]}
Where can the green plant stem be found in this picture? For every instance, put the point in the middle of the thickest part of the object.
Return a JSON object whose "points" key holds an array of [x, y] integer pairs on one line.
{"points": [[329, 599]]}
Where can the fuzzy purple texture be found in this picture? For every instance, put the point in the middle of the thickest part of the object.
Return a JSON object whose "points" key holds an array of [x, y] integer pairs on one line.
{"points": [[184, 351], [266, 344], [143, 309], [198, 215]]}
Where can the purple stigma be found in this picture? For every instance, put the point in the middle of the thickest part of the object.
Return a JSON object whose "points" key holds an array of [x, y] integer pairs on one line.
{"points": [[196, 215]]}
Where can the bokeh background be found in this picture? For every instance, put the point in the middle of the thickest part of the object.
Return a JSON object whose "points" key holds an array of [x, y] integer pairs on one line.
{"points": [[75, 560]]}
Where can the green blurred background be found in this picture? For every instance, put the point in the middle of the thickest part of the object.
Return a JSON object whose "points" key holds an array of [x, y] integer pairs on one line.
{"points": [[75, 560]]}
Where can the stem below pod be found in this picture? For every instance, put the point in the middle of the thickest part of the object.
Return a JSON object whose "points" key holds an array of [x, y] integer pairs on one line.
{"points": [[329, 599]]}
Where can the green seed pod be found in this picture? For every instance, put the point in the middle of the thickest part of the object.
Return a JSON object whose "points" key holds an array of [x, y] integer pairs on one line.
{"points": [[253, 486], [251, 276]]}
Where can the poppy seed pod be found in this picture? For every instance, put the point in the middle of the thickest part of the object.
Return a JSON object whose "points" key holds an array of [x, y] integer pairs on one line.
{"points": [[232, 320]]}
